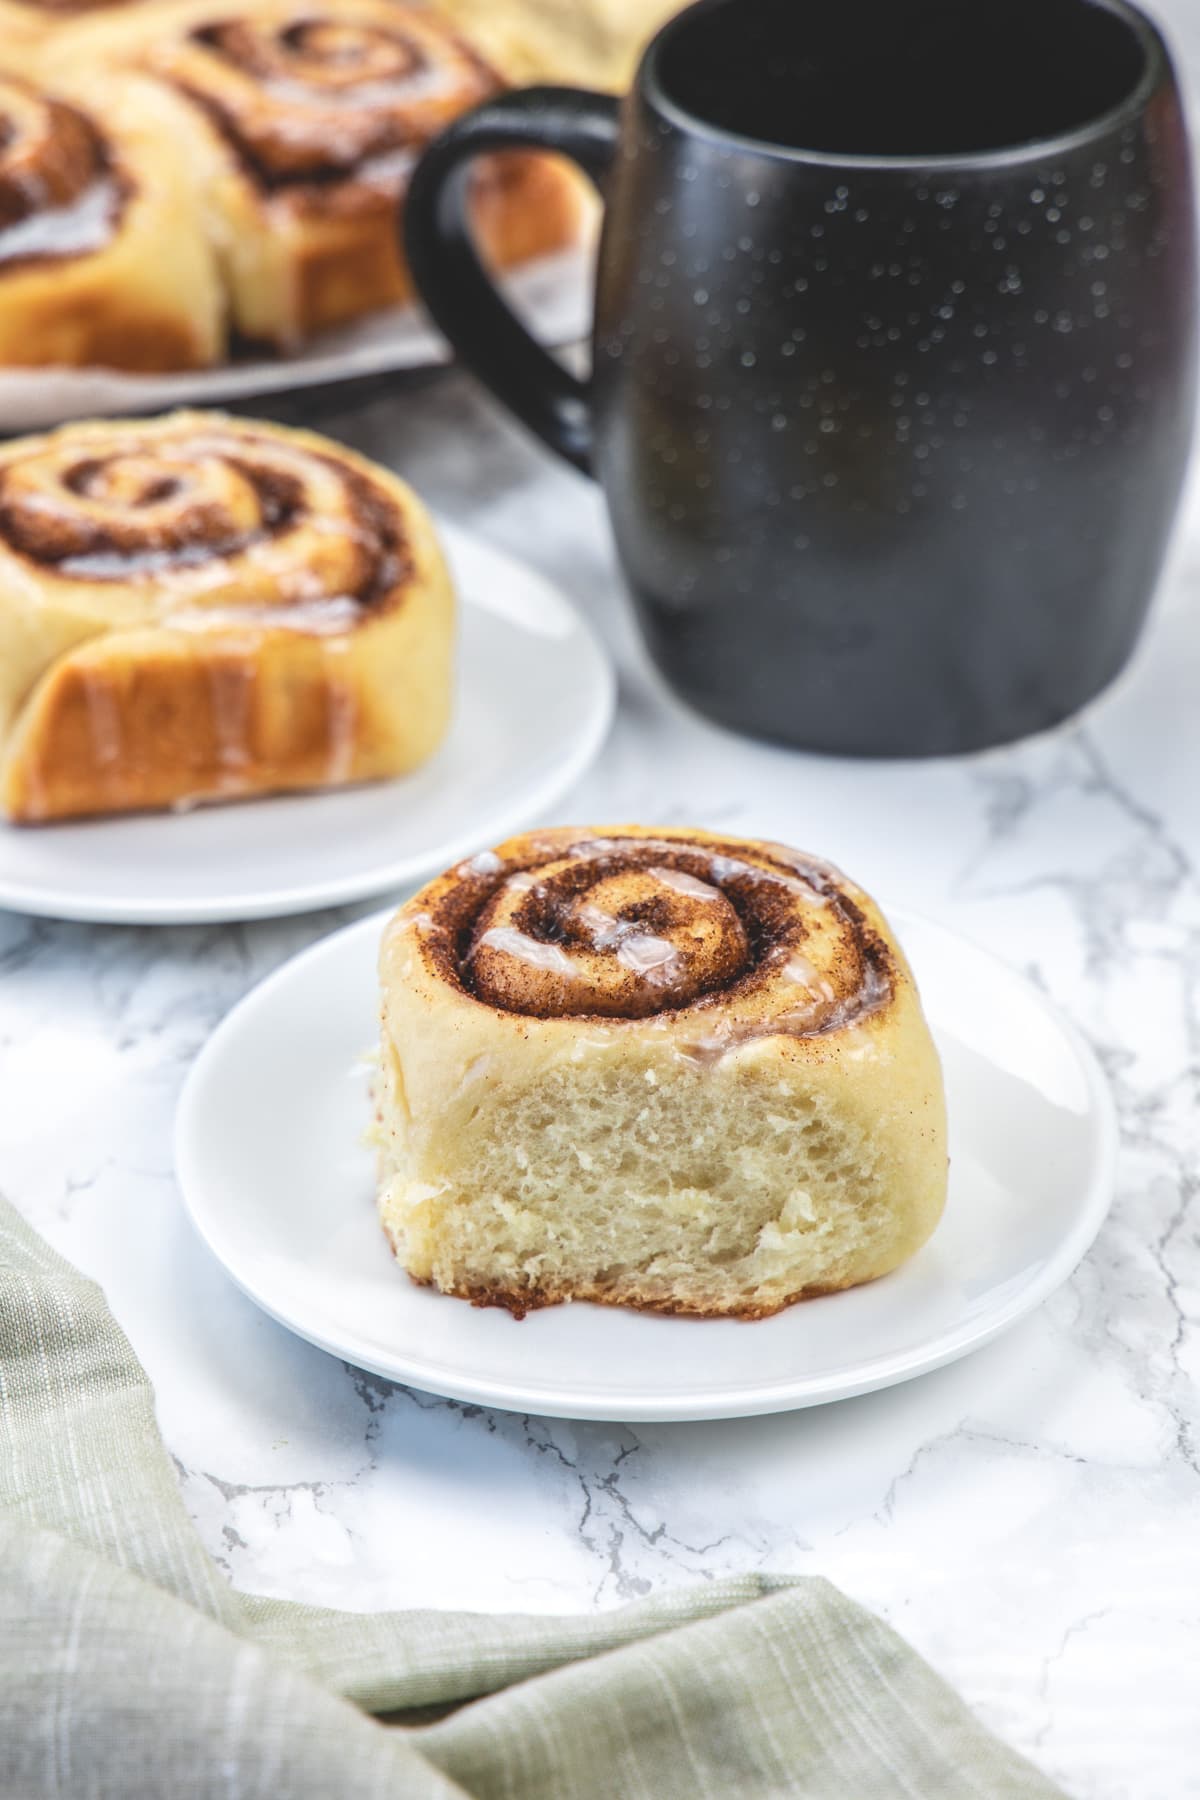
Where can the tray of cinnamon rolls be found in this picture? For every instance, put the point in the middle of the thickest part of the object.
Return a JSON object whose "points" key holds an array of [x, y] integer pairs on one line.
{"points": [[200, 200]]}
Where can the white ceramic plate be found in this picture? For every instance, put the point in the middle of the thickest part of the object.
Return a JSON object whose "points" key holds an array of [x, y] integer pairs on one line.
{"points": [[535, 697], [270, 1158], [554, 294]]}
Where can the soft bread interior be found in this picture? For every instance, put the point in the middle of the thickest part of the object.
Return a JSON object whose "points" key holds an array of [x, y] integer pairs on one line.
{"points": [[730, 1193]]}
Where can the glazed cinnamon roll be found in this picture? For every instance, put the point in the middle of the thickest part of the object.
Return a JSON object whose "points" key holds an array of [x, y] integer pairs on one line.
{"points": [[198, 608], [652, 1068], [102, 256], [304, 119]]}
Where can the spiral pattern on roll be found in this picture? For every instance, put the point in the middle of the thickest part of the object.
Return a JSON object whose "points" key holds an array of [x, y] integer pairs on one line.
{"points": [[313, 97], [746, 939], [58, 190], [211, 509]]}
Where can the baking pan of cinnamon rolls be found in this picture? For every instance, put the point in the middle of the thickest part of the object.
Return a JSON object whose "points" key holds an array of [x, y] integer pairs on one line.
{"points": [[182, 180]]}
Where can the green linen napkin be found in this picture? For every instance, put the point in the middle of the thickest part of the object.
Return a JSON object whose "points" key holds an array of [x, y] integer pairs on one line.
{"points": [[131, 1670]]}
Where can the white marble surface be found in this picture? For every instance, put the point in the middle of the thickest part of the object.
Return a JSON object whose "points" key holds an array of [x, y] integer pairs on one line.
{"points": [[1030, 1518]]}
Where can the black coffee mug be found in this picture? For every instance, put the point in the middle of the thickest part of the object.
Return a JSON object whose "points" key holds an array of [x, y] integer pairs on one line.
{"points": [[894, 352]]}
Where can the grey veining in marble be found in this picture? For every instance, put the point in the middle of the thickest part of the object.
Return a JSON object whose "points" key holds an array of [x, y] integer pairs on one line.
{"points": [[1029, 1517]]}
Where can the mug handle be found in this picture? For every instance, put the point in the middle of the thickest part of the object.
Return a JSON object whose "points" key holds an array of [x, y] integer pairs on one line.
{"points": [[451, 280]]}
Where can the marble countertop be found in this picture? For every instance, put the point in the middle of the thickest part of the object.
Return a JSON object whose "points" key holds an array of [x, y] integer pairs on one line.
{"points": [[1027, 1517]]}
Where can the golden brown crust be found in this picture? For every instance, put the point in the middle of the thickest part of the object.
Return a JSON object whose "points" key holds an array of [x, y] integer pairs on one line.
{"points": [[147, 730], [522, 206], [520, 1301], [200, 607], [346, 262], [92, 326]]}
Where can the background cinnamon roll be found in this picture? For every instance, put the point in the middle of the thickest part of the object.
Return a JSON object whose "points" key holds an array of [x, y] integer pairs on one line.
{"points": [[653, 1068], [303, 122], [25, 25], [587, 43], [197, 607], [103, 258]]}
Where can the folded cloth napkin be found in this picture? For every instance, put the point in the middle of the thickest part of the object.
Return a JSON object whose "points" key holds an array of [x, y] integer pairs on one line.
{"points": [[131, 1670]]}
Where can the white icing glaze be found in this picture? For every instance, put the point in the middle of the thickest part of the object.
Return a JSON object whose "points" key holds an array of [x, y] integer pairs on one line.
{"points": [[527, 950], [318, 617], [800, 970], [728, 868], [119, 565], [389, 171], [586, 848], [403, 923], [654, 957], [421, 83], [724, 868], [683, 883], [605, 931], [74, 230], [230, 691], [343, 726], [486, 863], [104, 721]]}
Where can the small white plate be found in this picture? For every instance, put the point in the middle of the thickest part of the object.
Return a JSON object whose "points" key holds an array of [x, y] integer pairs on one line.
{"points": [[534, 701], [270, 1158]]}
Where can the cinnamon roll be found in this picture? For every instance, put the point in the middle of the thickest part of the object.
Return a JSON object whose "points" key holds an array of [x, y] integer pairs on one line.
{"points": [[652, 1068], [102, 252], [197, 607], [26, 25], [37, 17], [585, 43], [303, 120]]}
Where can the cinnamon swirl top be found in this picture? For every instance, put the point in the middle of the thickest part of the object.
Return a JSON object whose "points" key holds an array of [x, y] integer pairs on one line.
{"points": [[727, 940], [196, 515], [309, 96], [60, 193]]}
